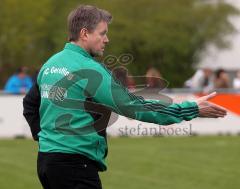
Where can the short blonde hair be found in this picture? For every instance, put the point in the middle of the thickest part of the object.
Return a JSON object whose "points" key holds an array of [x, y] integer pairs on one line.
{"points": [[85, 16]]}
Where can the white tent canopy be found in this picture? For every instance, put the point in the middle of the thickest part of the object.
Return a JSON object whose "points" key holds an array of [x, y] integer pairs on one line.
{"points": [[228, 59]]}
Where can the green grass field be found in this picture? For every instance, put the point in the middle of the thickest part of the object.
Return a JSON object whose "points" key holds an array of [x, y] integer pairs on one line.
{"points": [[141, 163]]}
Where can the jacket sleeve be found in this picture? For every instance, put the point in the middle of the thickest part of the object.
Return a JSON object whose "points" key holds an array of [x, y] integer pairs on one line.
{"points": [[31, 104], [113, 95]]}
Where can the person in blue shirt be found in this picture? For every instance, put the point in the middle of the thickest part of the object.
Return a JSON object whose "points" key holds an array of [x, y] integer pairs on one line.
{"points": [[19, 83]]}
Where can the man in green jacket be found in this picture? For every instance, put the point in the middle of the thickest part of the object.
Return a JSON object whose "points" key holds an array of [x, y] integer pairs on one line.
{"points": [[73, 100]]}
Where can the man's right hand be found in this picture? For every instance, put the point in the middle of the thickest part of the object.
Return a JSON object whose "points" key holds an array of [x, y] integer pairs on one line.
{"points": [[208, 109]]}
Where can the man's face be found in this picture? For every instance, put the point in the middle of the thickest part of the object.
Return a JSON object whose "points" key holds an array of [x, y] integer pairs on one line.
{"points": [[97, 39], [207, 72], [22, 75]]}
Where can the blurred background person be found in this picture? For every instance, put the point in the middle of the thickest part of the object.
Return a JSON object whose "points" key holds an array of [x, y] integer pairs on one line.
{"points": [[153, 78], [202, 79], [121, 74], [221, 79], [19, 83], [236, 81]]}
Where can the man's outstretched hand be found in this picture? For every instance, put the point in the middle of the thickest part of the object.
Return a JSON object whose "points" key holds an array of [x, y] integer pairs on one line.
{"points": [[208, 109]]}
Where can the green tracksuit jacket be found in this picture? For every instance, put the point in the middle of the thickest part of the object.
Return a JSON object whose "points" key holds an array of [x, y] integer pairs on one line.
{"points": [[77, 97]]}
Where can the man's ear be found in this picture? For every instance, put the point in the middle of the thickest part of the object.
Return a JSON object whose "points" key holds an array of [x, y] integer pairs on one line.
{"points": [[83, 34]]}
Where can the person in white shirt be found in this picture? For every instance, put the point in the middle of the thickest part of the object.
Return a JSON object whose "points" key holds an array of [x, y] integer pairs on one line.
{"points": [[236, 81], [202, 79]]}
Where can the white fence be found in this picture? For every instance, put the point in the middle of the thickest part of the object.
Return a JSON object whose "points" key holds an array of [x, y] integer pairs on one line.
{"points": [[13, 124]]}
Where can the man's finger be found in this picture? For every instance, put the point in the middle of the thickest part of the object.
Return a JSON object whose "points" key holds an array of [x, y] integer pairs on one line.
{"points": [[212, 115], [212, 111], [210, 105], [207, 97], [217, 107], [207, 105]]}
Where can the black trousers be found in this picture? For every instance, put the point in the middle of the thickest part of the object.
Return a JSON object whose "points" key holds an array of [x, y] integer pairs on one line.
{"points": [[67, 171]]}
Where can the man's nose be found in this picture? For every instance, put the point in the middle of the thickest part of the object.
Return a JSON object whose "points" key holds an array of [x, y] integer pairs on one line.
{"points": [[106, 40]]}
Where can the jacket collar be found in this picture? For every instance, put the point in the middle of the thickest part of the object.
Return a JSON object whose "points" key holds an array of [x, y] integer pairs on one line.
{"points": [[78, 49]]}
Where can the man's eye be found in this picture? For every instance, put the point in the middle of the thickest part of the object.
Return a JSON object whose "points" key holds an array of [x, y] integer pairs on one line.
{"points": [[103, 33]]}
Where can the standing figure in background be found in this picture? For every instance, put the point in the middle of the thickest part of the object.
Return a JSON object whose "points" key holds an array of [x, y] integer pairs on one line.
{"points": [[200, 80], [153, 78], [19, 83], [221, 79], [236, 81], [121, 75]]}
